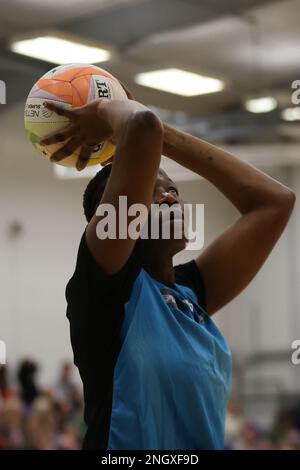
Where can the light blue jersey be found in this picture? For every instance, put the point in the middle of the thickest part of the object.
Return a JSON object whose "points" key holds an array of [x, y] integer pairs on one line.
{"points": [[172, 377]]}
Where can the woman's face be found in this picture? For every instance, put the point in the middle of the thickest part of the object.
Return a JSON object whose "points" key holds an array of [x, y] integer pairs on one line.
{"points": [[166, 209]]}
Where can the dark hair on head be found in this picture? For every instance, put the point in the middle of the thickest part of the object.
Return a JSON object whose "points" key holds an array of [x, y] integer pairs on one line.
{"points": [[94, 190]]}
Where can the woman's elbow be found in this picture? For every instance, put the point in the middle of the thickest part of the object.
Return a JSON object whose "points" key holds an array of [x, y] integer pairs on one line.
{"points": [[285, 203]]}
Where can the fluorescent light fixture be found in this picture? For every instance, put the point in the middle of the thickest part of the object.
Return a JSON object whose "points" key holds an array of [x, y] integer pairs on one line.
{"points": [[261, 105], [179, 82], [59, 51], [291, 114]]}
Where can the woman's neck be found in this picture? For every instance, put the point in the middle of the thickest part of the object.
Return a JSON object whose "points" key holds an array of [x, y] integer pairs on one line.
{"points": [[159, 266]]}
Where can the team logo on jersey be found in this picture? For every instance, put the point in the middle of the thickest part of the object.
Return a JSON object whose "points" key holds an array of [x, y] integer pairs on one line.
{"points": [[169, 298], [189, 304]]}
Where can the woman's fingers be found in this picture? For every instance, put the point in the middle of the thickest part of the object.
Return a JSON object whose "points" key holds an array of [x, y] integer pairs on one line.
{"points": [[84, 157], [60, 109], [59, 136], [66, 150]]}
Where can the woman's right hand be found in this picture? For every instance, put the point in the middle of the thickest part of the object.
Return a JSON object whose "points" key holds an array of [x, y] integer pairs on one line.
{"points": [[87, 128]]}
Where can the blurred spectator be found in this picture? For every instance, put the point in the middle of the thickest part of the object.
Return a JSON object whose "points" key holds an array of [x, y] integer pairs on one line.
{"points": [[26, 377], [11, 427], [252, 437], [233, 423], [286, 430], [5, 390], [284, 434], [66, 388], [40, 419], [40, 425]]}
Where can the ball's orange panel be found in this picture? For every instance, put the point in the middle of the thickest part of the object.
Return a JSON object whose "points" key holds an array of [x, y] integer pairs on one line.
{"points": [[62, 90], [81, 89], [69, 75]]}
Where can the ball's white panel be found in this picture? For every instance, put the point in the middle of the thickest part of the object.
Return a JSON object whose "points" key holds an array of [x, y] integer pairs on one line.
{"points": [[36, 112], [40, 121]]}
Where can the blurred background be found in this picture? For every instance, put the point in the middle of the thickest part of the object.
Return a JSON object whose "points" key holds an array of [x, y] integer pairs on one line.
{"points": [[252, 47]]}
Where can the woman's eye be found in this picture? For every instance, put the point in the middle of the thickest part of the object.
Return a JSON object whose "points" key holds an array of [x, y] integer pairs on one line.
{"points": [[173, 190]]}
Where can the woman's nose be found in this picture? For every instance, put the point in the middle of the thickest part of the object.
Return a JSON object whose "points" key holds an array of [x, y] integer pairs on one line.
{"points": [[167, 198]]}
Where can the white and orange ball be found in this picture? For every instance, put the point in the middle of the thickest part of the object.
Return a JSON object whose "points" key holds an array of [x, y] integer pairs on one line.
{"points": [[71, 85]]}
